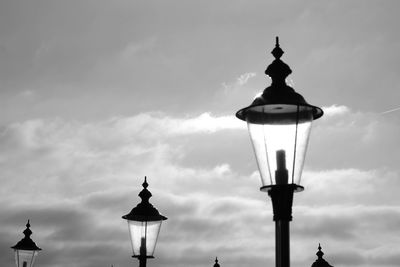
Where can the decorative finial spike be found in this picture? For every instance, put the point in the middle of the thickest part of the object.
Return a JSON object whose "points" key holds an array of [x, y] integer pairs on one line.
{"points": [[319, 253], [145, 184], [216, 264], [145, 194], [277, 52], [27, 232]]}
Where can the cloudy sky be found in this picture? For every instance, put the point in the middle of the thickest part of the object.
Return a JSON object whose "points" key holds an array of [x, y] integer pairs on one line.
{"points": [[96, 94]]}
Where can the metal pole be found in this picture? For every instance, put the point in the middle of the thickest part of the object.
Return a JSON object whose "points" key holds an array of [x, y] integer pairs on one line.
{"points": [[142, 261], [282, 243], [282, 200]]}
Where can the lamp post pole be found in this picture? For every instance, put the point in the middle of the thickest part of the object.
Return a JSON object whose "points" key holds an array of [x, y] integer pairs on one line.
{"points": [[142, 261], [279, 123], [282, 200]]}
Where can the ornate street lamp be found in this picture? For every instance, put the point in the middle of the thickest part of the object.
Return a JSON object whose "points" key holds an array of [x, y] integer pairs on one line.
{"points": [[26, 250], [320, 262], [279, 122], [216, 264], [144, 223]]}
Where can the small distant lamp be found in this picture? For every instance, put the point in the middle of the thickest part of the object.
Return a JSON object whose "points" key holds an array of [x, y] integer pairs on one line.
{"points": [[144, 223], [26, 250], [279, 122], [216, 264]]}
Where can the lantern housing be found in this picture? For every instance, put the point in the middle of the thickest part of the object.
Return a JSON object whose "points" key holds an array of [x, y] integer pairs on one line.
{"points": [[144, 223], [279, 123], [26, 250]]}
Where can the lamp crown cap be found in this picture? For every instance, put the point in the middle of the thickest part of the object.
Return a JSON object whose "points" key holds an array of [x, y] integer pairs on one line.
{"points": [[27, 232], [277, 52], [145, 194], [319, 253], [144, 211], [26, 243], [320, 262], [145, 184], [278, 70]]}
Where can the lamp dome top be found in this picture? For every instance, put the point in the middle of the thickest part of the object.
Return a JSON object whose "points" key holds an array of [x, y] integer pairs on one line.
{"points": [[144, 211], [278, 94], [145, 194], [320, 262], [278, 70], [26, 243], [216, 262]]}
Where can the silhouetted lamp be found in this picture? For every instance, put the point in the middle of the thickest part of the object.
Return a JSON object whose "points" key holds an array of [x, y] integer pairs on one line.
{"points": [[320, 262], [279, 122], [216, 264], [144, 222], [26, 250]]}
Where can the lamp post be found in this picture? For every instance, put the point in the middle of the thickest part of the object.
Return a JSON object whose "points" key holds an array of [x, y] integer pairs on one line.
{"points": [[26, 250], [144, 223], [320, 262], [216, 264], [279, 123]]}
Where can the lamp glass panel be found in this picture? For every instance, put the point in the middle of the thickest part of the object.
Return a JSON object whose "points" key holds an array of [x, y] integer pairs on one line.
{"points": [[144, 236], [279, 135], [25, 258]]}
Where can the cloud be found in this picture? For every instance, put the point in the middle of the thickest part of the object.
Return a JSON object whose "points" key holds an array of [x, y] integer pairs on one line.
{"points": [[133, 48], [240, 82], [75, 176], [335, 110], [344, 138], [81, 178], [243, 79], [75, 180], [27, 94]]}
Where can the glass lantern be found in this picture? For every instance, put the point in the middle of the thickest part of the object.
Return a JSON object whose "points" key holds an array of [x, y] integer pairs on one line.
{"points": [[279, 134], [26, 250], [279, 123], [144, 236], [144, 223]]}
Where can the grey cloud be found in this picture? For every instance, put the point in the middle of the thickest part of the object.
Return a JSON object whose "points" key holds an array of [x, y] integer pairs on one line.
{"points": [[385, 259], [349, 257], [207, 204], [196, 151], [87, 62], [327, 227], [364, 139]]}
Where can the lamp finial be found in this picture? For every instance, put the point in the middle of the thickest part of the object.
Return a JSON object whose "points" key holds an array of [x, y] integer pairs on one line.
{"points": [[216, 264], [319, 253], [145, 184], [145, 194], [27, 232], [26, 243], [277, 52]]}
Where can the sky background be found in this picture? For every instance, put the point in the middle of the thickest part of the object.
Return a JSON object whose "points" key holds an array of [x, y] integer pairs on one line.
{"points": [[95, 95]]}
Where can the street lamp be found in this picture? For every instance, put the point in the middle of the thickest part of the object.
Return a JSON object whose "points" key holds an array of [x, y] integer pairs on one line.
{"points": [[279, 122], [216, 264], [144, 223], [26, 250], [320, 262]]}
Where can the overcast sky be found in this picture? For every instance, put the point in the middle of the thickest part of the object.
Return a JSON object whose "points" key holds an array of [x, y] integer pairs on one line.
{"points": [[95, 95]]}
